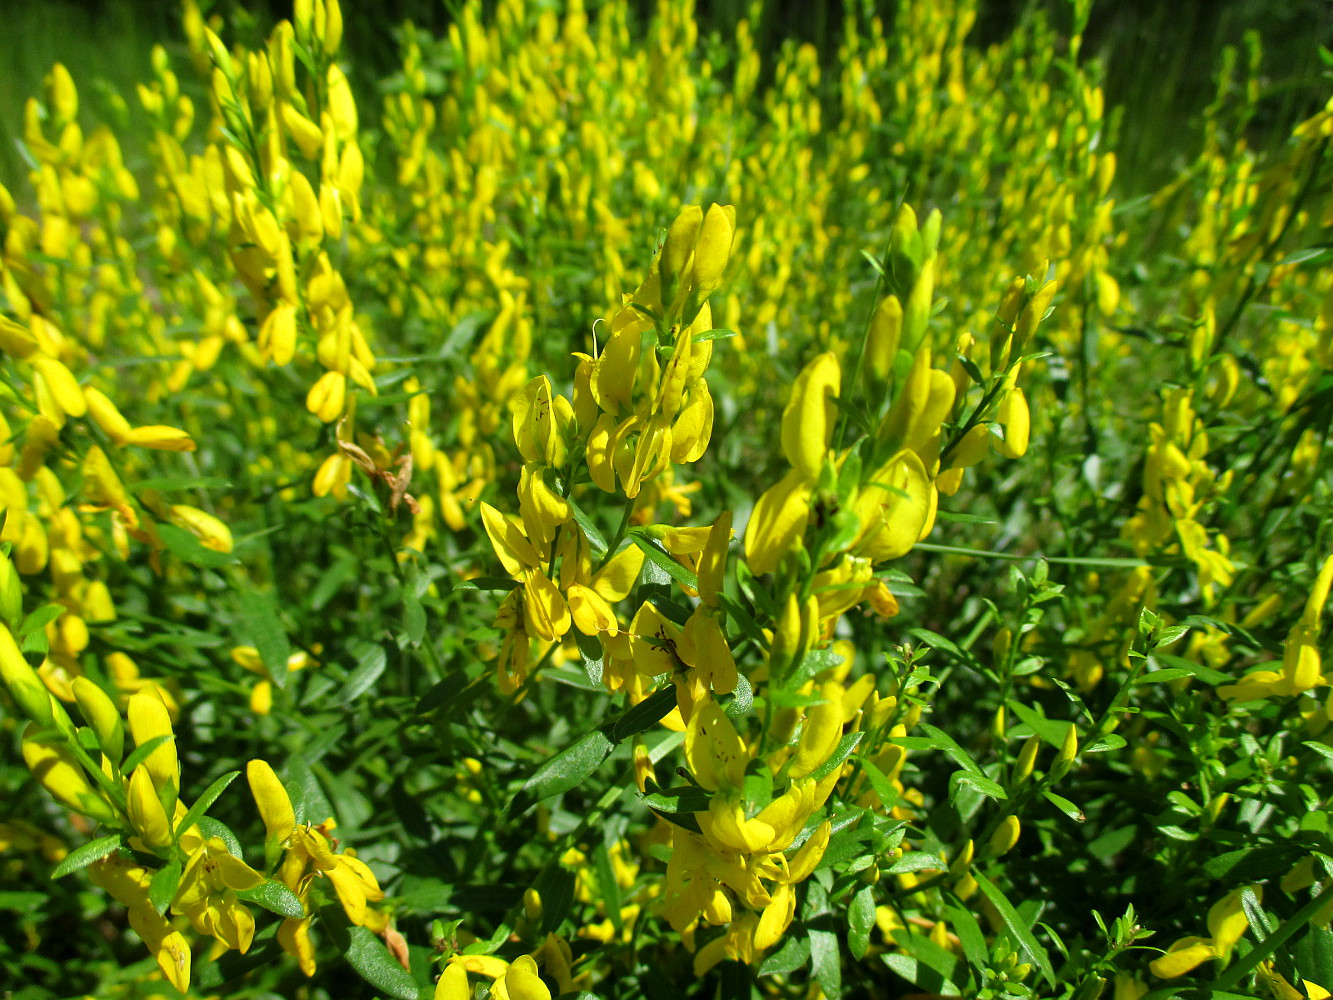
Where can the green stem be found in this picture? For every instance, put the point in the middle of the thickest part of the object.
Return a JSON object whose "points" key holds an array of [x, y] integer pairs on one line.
{"points": [[621, 528]]}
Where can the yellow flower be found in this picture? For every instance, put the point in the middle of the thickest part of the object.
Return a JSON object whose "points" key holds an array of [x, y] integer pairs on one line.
{"points": [[127, 882], [207, 894]]}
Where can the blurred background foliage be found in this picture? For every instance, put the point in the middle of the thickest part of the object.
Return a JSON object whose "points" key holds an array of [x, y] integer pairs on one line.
{"points": [[1161, 57]]}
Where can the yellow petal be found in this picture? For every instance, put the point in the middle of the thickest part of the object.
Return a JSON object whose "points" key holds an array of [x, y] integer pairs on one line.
{"points": [[616, 579], [275, 808], [1014, 417], [676, 251], [807, 421], [545, 612], [712, 249], [327, 396], [713, 749], [894, 508], [149, 719], [523, 982], [803, 863], [886, 326], [653, 640], [59, 773], [453, 984], [777, 522], [510, 544], [146, 812], [823, 728], [1185, 955], [776, 918], [693, 427], [160, 438], [63, 385], [211, 532], [106, 415]]}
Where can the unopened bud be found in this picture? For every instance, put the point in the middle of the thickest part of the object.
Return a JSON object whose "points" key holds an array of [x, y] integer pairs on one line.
{"points": [[532, 904], [1004, 838], [1027, 758], [11, 593], [1068, 751], [103, 716]]}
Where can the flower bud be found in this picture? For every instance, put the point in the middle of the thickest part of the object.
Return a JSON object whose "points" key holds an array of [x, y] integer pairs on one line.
{"points": [[677, 250], [59, 772], [1027, 758], [1004, 838], [11, 593], [24, 685], [1068, 751], [275, 808], [103, 716], [886, 327]]}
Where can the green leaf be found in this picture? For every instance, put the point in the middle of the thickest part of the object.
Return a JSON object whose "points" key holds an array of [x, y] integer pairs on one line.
{"points": [[275, 897], [983, 784], [936, 641], [826, 961], [1164, 675], [143, 752], [646, 714], [266, 632], [680, 799], [916, 861], [37, 620], [960, 518], [1169, 635], [21, 902], [1316, 254], [196, 811], [888, 794], [860, 921], [1065, 806], [373, 963], [938, 739], [970, 934], [1108, 742], [1232, 629], [1314, 954], [793, 954], [1254, 913], [162, 888], [83, 856], [565, 770], [926, 965], [844, 749], [713, 335], [1323, 749], [1051, 731], [371, 659], [659, 557], [211, 827], [1022, 934], [186, 546], [414, 617], [596, 540], [814, 661]]}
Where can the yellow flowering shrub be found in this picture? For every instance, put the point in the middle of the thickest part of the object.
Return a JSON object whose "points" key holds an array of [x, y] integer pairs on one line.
{"points": [[652, 515]]}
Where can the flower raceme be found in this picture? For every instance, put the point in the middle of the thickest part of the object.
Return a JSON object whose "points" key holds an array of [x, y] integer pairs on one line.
{"points": [[146, 808]]}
